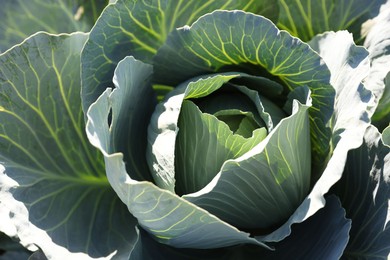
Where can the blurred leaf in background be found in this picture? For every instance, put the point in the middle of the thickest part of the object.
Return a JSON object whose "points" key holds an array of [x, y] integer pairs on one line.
{"points": [[20, 18]]}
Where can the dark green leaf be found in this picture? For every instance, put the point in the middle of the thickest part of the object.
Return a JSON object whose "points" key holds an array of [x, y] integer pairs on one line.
{"points": [[37, 255], [55, 185], [89, 10], [381, 117], [7, 245], [148, 248], [21, 254], [364, 191], [323, 236], [306, 18], [20, 18]]}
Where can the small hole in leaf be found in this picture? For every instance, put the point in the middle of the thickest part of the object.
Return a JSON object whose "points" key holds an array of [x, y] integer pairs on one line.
{"points": [[109, 118]]}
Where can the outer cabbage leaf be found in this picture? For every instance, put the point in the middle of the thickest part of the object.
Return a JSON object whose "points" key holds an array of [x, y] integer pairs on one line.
{"points": [[19, 254], [10, 249], [309, 240], [54, 184], [349, 120], [378, 44], [306, 18], [37, 255], [367, 171], [171, 219], [20, 19], [139, 28], [349, 65], [148, 248], [367, 166]]}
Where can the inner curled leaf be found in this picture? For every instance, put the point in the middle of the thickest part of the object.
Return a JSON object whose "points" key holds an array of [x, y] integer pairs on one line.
{"points": [[240, 122], [203, 144], [214, 128]]}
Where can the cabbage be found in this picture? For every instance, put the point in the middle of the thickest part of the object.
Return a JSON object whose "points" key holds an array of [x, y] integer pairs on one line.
{"points": [[197, 130]]}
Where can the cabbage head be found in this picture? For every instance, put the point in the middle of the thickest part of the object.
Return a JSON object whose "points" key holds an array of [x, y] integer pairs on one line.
{"points": [[200, 130]]}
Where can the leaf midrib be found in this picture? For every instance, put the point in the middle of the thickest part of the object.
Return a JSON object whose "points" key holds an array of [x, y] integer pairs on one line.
{"points": [[86, 179]]}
